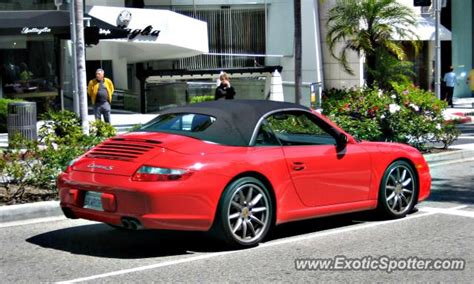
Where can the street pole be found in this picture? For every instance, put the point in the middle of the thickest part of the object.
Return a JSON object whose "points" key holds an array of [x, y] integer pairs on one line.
{"points": [[72, 17], [81, 64], [298, 50], [437, 6]]}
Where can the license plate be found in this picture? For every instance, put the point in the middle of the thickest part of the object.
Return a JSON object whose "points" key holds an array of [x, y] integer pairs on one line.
{"points": [[93, 201]]}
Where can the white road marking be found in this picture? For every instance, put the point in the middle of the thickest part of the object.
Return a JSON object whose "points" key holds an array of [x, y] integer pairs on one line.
{"points": [[32, 221], [449, 211], [264, 245]]}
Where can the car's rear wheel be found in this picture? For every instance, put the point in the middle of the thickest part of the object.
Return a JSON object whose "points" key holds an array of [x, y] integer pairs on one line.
{"points": [[398, 190], [245, 213]]}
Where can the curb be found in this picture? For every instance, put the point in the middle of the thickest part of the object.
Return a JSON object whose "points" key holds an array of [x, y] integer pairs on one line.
{"points": [[44, 209], [20, 212], [456, 155]]}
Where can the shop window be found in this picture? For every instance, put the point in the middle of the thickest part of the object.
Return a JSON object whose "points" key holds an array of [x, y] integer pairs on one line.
{"points": [[27, 5], [29, 69]]}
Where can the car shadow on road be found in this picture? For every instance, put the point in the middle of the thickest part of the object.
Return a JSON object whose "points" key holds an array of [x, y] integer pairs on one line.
{"points": [[100, 240], [453, 190]]}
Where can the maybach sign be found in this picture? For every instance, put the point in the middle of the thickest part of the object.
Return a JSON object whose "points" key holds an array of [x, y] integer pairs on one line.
{"points": [[148, 31], [124, 19]]}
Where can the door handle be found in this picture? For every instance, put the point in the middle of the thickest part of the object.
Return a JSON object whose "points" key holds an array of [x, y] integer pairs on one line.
{"points": [[298, 166]]}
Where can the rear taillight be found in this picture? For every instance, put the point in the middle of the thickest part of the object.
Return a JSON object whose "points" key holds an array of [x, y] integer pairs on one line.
{"points": [[149, 173]]}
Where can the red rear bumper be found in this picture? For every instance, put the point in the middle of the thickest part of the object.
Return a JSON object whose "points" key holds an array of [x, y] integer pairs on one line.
{"points": [[180, 205]]}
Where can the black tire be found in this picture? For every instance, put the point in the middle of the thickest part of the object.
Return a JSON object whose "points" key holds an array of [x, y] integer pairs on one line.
{"points": [[255, 219], [398, 191]]}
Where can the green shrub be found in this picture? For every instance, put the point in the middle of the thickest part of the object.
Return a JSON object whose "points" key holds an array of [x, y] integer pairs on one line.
{"points": [[200, 99], [60, 125], [406, 114], [391, 71], [3, 113], [101, 129], [38, 163]]}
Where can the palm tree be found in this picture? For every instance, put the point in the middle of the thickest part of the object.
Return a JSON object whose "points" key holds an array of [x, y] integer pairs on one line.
{"points": [[367, 26]]}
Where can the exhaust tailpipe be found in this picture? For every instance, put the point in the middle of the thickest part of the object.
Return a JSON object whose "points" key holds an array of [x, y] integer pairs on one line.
{"points": [[131, 223], [135, 225]]}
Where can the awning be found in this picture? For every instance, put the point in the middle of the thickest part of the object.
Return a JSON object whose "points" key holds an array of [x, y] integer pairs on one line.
{"points": [[152, 34], [426, 30], [98, 30], [34, 22]]}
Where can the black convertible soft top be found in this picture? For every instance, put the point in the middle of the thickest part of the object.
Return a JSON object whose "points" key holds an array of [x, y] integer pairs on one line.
{"points": [[235, 119]]}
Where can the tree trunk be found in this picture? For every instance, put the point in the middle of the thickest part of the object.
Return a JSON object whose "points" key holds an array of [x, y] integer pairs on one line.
{"points": [[298, 49], [371, 62], [81, 63]]}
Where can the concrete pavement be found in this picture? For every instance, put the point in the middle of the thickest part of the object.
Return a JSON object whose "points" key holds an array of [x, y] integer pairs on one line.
{"points": [[81, 251]]}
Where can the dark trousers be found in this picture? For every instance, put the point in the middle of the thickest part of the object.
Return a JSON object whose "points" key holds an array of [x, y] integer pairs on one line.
{"points": [[449, 95], [102, 109]]}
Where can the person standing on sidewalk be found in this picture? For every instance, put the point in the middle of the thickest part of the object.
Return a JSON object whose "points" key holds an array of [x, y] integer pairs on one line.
{"points": [[100, 90], [224, 90], [451, 81], [470, 81]]}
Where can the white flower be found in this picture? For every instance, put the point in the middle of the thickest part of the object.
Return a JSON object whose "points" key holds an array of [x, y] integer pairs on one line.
{"points": [[380, 93], [438, 126], [393, 96], [415, 107], [393, 108], [382, 116]]}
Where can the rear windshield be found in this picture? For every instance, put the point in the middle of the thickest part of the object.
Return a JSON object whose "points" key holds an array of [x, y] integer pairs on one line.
{"points": [[179, 123]]}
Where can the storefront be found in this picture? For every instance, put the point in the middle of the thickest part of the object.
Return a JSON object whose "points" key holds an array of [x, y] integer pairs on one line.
{"points": [[36, 51], [30, 44]]}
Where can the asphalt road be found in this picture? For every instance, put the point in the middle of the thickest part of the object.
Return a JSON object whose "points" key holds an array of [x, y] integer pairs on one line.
{"points": [[82, 251], [467, 134]]}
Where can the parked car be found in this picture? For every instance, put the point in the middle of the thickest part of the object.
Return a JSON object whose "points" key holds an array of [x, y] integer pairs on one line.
{"points": [[238, 168]]}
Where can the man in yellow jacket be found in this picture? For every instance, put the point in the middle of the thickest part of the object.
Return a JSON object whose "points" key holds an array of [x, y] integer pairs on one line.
{"points": [[100, 90]]}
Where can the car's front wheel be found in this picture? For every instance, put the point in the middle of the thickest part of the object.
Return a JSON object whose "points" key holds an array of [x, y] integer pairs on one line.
{"points": [[245, 212], [398, 190]]}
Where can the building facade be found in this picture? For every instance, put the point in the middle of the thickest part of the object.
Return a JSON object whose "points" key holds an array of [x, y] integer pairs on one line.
{"points": [[249, 39]]}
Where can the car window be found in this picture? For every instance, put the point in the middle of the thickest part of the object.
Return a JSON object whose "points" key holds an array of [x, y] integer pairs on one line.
{"points": [[180, 122], [265, 137], [299, 128]]}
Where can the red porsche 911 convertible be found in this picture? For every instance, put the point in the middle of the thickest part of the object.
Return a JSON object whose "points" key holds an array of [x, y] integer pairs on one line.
{"points": [[238, 168]]}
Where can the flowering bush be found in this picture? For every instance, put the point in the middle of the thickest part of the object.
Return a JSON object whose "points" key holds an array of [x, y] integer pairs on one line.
{"points": [[406, 114]]}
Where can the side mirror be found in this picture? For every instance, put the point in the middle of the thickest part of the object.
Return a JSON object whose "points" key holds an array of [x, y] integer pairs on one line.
{"points": [[342, 140]]}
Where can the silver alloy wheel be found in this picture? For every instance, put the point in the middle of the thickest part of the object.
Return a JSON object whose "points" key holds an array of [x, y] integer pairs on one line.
{"points": [[399, 189], [248, 213]]}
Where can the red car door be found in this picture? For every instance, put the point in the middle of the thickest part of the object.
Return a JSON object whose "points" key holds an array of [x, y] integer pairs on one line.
{"points": [[322, 173]]}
